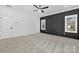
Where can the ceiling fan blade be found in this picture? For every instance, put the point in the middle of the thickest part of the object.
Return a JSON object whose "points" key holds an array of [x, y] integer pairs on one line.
{"points": [[35, 6], [42, 11], [35, 10], [44, 7]]}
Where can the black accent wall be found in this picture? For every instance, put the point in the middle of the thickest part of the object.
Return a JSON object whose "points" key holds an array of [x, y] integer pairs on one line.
{"points": [[55, 24]]}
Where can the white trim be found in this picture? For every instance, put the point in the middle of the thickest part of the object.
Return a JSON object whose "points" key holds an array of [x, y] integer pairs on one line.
{"points": [[10, 37], [75, 15]]}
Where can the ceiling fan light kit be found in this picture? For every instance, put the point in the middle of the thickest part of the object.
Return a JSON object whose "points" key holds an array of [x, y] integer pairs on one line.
{"points": [[39, 10]]}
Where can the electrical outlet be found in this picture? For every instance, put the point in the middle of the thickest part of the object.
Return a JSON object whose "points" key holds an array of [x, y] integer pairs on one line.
{"points": [[64, 33]]}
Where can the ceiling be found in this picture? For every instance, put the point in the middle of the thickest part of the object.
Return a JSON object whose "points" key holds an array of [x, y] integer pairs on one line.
{"points": [[53, 9]]}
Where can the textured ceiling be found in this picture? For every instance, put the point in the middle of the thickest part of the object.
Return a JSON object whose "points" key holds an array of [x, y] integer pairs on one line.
{"points": [[53, 9]]}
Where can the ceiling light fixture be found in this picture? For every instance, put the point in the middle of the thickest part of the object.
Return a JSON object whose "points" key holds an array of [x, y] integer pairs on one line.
{"points": [[39, 10]]}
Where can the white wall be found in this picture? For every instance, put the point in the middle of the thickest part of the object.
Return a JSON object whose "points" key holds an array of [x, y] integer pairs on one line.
{"points": [[22, 23]]}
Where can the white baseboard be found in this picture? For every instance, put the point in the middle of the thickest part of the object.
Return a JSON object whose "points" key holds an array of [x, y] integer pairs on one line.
{"points": [[8, 37]]}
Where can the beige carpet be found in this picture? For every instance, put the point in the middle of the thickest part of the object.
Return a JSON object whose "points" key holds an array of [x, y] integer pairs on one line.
{"points": [[39, 43]]}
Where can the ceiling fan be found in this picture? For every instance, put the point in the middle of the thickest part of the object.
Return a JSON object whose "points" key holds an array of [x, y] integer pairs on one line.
{"points": [[40, 8]]}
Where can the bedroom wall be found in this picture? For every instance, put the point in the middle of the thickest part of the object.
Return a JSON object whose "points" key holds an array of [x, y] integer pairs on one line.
{"points": [[55, 24], [15, 23]]}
